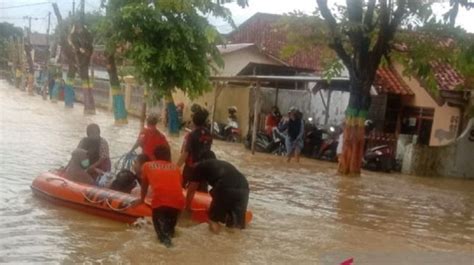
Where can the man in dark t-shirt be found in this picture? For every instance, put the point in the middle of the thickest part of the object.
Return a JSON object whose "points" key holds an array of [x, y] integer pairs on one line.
{"points": [[195, 144], [230, 191]]}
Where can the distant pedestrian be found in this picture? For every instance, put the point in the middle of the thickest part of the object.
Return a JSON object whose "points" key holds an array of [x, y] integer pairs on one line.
{"points": [[295, 132]]}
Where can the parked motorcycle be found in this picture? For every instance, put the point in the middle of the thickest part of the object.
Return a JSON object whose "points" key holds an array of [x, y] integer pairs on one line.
{"points": [[227, 132], [328, 148], [267, 144], [379, 158], [312, 140]]}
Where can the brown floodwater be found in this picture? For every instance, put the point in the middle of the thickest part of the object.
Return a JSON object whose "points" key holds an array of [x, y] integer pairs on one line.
{"points": [[303, 214]]}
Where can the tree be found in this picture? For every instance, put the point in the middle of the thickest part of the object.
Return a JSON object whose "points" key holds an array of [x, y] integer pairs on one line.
{"points": [[8, 33], [76, 41], [62, 33], [170, 43], [361, 35], [111, 46]]}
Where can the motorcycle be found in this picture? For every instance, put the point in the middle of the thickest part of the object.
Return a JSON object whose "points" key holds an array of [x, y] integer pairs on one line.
{"points": [[379, 158], [229, 132], [312, 140], [328, 148], [267, 144]]}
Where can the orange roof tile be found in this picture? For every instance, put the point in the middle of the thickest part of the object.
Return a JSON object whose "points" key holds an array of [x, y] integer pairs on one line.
{"points": [[446, 77], [388, 81]]}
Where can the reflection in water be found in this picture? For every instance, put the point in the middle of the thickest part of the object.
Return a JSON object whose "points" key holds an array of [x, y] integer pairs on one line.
{"points": [[302, 213]]}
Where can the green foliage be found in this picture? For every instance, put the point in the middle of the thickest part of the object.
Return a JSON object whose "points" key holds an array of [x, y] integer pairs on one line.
{"points": [[7, 33], [169, 42], [436, 42], [419, 31]]}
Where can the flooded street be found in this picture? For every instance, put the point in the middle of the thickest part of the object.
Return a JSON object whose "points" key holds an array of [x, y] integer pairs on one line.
{"points": [[303, 214]]}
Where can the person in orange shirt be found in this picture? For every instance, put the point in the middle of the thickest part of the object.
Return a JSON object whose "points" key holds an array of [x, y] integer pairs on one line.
{"points": [[150, 138], [168, 200]]}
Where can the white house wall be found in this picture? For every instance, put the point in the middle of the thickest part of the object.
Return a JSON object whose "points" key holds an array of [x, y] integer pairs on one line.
{"points": [[234, 62], [337, 107]]}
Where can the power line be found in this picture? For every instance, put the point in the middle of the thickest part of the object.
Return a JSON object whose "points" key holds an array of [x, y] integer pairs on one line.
{"points": [[25, 5]]}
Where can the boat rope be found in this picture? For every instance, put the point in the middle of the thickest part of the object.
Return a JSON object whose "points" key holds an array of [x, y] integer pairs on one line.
{"points": [[117, 209], [91, 201]]}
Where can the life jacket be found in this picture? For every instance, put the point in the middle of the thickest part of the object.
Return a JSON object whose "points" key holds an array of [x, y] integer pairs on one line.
{"points": [[165, 180]]}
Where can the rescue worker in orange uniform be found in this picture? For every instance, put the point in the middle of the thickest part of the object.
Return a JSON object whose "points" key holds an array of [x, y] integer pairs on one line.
{"points": [[168, 200], [150, 138]]}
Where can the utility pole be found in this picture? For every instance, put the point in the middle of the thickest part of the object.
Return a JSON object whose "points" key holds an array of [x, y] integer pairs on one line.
{"points": [[83, 11], [73, 6], [46, 65]]}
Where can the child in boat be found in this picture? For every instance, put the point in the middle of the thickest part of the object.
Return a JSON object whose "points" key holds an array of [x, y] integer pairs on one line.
{"points": [[76, 170], [167, 202], [124, 182]]}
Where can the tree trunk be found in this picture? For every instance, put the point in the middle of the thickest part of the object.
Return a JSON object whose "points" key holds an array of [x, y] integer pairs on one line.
{"points": [[173, 120], [350, 161], [69, 94], [118, 99], [31, 68], [81, 41]]}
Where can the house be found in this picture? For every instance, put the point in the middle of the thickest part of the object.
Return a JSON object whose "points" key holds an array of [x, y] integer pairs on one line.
{"points": [[401, 105], [40, 45], [240, 59]]}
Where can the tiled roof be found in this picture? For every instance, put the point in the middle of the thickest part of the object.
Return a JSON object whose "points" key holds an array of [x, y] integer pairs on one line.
{"points": [[446, 77], [228, 48], [388, 81], [262, 30]]}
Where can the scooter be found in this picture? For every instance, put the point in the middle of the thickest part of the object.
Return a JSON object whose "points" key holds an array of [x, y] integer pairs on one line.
{"points": [[312, 140], [267, 144], [379, 158], [328, 149], [229, 132]]}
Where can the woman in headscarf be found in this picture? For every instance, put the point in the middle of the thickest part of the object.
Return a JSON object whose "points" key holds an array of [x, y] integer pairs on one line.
{"points": [[97, 149], [76, 169]]}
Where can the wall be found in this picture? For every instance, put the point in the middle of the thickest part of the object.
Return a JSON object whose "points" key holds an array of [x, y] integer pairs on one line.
{"points": [[337, 107], [453, 160], [442, 132], [234, 62], [286, 99], [229, 96]]}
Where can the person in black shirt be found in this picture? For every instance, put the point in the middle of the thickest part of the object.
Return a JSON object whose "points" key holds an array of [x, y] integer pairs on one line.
{"points": [[230, 191], [198, 141]]}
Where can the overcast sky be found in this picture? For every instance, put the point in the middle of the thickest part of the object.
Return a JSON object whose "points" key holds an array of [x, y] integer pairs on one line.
{"points": [[40, 12]]}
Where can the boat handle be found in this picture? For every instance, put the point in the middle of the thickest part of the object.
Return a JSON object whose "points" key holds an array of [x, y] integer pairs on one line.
{"points": [[117, 209], [51, 179], [91, 201]]}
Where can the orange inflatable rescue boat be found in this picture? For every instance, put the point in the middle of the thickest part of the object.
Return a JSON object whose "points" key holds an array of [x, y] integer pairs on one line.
{"points": [[107, 203]]}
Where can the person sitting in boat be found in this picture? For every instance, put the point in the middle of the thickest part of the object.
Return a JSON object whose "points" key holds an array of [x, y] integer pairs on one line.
{"points": [[230, 192], [150, 138], [125, 181], [76, 170], [97, 150], [165, 179]]}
